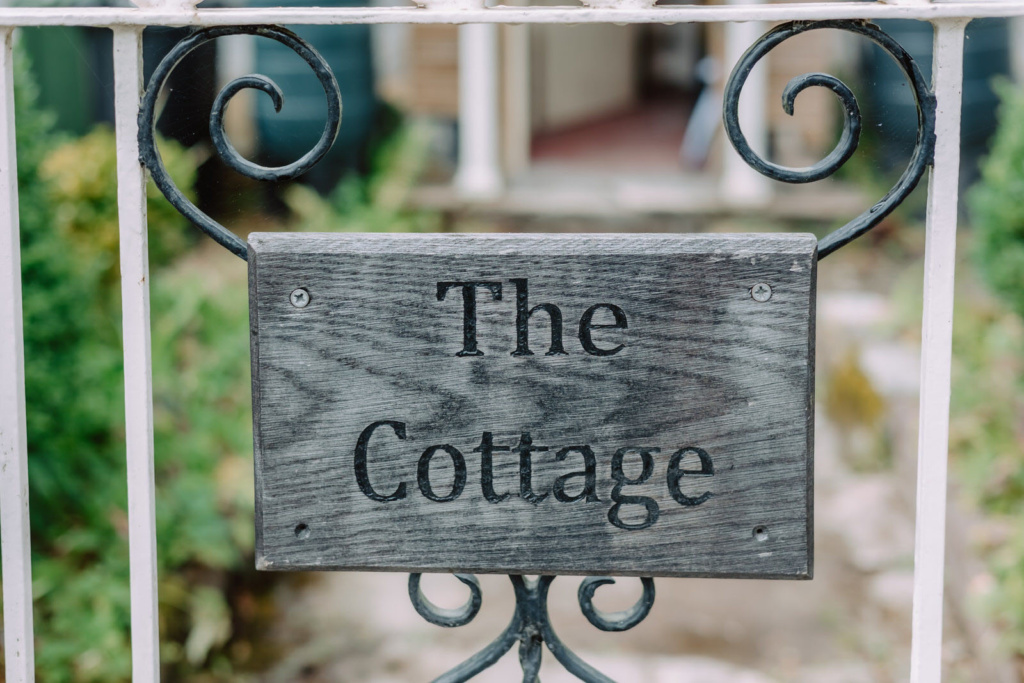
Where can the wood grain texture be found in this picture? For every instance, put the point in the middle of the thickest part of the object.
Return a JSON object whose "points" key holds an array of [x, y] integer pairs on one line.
{"points": [[703, 366]]}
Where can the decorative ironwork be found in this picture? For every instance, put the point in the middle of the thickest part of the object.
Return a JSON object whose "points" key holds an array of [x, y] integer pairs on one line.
{"points": [[149, 155], [530, 626], [919, 160]]}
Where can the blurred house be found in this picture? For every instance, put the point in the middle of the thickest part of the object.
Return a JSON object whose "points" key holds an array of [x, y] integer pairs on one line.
{"points": [[552, 118], [604, 118], [584, 118]]}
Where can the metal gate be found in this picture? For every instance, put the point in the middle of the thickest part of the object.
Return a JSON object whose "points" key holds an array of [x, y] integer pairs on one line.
{"points": [[939, 115]]}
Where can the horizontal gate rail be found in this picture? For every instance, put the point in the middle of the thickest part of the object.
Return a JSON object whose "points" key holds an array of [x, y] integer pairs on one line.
{"points": [[237, 16]]}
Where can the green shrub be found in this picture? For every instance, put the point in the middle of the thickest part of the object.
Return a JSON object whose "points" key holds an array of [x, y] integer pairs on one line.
{"points": [[75, 417], [375, 203], [986, 442], [71, 367], [997, 202], [81, 176], [988, 371], [201, 400]]}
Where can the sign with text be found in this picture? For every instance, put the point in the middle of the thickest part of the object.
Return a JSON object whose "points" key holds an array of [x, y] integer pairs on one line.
{"points": [[534, 404]]}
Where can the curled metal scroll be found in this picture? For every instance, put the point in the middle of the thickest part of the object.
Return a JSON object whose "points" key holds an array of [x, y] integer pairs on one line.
{"points": [[530, 625], [847, 145], [441, 616], [149, 155]]}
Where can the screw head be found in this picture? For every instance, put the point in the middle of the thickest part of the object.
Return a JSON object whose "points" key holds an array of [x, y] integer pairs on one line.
{"points": [[761, 292], [299, 298]]}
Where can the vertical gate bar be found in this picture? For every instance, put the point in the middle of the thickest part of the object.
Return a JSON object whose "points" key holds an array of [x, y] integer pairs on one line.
{"points": [[19, 652], [138, 383], [936, 355]]}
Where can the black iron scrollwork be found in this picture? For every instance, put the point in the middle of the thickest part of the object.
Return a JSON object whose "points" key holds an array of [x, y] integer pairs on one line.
{"points": [[440, 616], [530, 625], [149, 155], [847, 145], [923, 150]]}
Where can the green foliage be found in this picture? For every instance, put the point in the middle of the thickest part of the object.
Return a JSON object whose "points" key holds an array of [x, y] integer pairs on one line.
{"points": [[75, 419], [375, 203], [988, 394], [997, 202], [987, 439], [851, 400], [81, 176], [856, 408], [986, 436], [71, 351], [202, 411], [987, 405], [203, 441]]}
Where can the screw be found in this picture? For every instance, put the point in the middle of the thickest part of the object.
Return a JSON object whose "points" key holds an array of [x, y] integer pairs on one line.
{"points": [[760, 292], [299, 298]]}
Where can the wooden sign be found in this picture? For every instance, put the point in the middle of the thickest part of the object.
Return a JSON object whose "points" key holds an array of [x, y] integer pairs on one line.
{"points": [[534, 404]]}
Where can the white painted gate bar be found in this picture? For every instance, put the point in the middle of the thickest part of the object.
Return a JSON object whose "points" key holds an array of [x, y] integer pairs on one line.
{"points": [[936, 354], [14, 515], [138, 381]]}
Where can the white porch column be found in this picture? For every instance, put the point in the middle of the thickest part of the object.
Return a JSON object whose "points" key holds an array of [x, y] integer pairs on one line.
{"points": [[479, 171], [739, 183]]}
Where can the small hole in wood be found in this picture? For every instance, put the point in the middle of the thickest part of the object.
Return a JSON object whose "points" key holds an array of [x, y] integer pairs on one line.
{"points": [[761, 533], [302, 531]]}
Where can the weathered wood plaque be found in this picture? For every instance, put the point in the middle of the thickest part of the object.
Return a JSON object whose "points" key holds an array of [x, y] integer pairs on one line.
{"points": [[538, 404]]}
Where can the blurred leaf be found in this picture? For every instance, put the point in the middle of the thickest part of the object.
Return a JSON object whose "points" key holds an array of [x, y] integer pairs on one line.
{"points": [[211, 624], [851, 400], [997, 202], [373, 204]]}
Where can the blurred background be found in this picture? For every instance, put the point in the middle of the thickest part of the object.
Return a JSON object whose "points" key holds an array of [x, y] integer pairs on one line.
{"points": [[558, 129]]}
